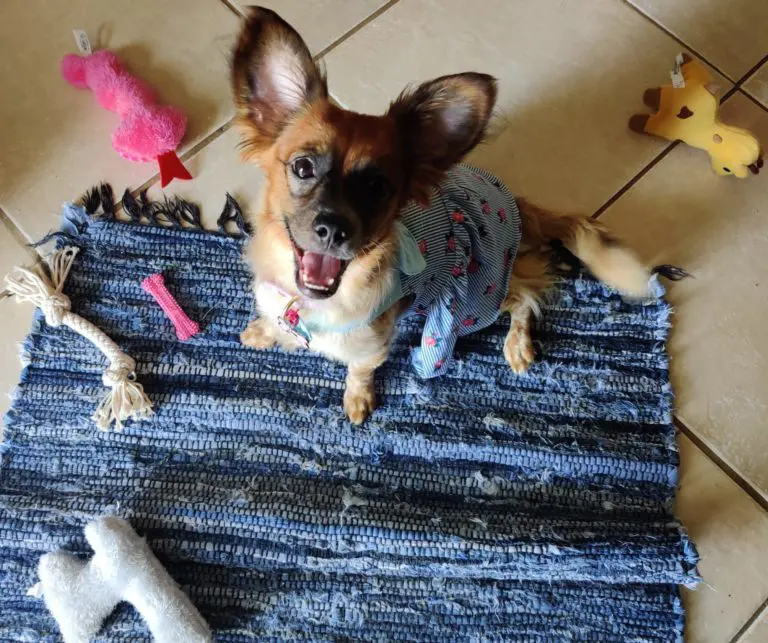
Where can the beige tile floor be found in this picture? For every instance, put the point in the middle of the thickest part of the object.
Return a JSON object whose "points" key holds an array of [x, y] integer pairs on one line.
{"points": [[570, 76]]}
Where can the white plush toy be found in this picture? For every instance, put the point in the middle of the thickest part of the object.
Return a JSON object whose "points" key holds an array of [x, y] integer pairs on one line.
{"points": [[81, 595]]}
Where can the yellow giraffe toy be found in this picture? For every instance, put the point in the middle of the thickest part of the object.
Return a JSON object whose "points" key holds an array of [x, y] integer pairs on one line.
{"points": [[689, 113]]}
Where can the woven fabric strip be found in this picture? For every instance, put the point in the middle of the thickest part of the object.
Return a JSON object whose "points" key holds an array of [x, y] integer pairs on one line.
{"points": [[476, 506]]}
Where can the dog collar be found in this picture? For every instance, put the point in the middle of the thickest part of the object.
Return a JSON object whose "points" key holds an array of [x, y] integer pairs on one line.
{"points": [[410, 262]]}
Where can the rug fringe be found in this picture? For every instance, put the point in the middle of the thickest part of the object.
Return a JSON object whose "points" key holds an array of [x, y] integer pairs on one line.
{"points": [[173, 212]]}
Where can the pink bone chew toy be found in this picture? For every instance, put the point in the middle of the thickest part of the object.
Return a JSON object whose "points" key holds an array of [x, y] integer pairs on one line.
{"points": [[185, 327], [147, 131]]}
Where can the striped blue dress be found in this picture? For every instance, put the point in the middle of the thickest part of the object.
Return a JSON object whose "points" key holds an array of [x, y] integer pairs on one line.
{"points": [[455, 259]]}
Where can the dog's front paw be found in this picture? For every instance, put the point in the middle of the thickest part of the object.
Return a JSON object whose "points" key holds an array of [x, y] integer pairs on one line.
{"points": [[518, 348], [258, 335], [359, 403]]}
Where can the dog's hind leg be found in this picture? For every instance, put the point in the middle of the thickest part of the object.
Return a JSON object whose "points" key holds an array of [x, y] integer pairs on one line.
{"points": [[530, 277]]}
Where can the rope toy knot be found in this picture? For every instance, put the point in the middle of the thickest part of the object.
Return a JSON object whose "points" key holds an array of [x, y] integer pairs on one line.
{"points": [[123, 371], [54, 307]]}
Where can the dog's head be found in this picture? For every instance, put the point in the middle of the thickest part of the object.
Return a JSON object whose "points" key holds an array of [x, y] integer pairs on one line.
{"points": [[337, 179]]}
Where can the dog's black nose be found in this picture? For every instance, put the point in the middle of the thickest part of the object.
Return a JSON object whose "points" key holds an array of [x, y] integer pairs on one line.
{"points": [[331, 230]]}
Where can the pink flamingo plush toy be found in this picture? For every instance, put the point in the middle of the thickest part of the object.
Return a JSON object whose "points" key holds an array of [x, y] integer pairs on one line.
{"points": [[147, 131]]}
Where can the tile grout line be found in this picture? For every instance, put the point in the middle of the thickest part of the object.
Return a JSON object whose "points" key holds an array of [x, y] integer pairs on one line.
{"points": [[722, 463], [677, 39], [233, 8], [192, 151], [15, 231], [343, 37], [751, 71], [752, 99], [360, 25], [739, 85], [750, 622], [631, 183]]}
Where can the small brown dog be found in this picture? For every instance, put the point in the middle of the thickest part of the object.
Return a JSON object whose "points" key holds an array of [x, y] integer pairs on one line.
{"points": [[328, 241]]}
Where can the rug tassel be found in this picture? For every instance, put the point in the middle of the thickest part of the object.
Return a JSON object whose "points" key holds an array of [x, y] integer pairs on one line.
{"points": [[126, 399]]}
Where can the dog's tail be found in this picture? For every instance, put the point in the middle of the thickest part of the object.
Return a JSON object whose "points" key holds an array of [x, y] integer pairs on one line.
{"points": [[608, 258]]}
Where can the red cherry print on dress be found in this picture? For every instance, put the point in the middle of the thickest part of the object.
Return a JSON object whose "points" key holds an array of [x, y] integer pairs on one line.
{"points": [[502, 215], [432, 341], [439, 364], [469, 321], [457, 217], [490, 288], [423, 248], [485, 207], [473, 266]]}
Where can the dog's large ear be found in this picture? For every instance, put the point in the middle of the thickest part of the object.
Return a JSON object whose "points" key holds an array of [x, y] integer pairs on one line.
{"points": [[439, 122], [273, 77]]}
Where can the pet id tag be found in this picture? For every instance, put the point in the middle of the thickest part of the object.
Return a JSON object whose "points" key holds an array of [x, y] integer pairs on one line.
{"points": [[291, 323]]}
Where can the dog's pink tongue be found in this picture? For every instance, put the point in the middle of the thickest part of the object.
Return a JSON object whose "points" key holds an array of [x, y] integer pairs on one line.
{"points": [[320, 269]]}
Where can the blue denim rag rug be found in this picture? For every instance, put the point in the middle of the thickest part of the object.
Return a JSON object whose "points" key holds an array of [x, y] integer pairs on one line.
{"points": [[479, 506]]}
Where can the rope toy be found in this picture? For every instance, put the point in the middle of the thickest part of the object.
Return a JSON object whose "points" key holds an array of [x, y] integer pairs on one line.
{"points": [[81, 595], [43, 288], [185, 327]]}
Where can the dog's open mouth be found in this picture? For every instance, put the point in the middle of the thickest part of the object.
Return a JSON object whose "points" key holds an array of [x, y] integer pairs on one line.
{"points": [[318, 275]]}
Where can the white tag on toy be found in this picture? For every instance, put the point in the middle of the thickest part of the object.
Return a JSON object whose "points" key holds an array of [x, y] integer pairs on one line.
{"points": [[83, 44], [678, 81]]}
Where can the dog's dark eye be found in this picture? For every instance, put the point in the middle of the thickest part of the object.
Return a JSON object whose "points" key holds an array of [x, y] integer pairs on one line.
{"points": [[303, 168], [367, 189], [375, 187]]}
